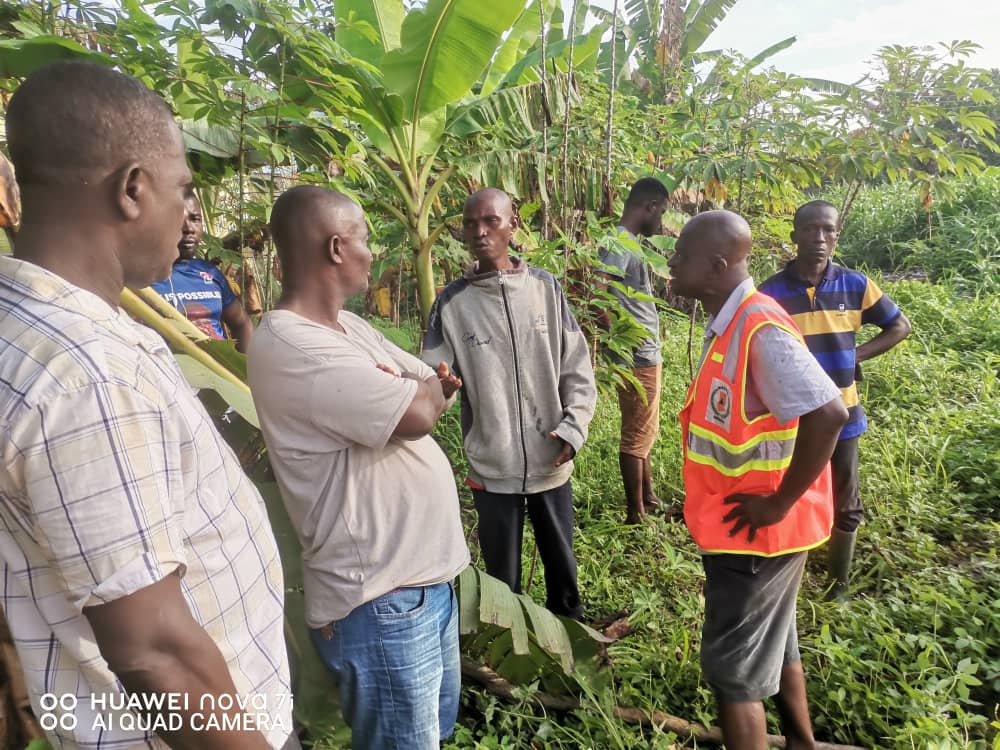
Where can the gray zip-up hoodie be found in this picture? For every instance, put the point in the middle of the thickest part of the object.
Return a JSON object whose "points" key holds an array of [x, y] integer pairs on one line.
{"points": [[525, 372]]}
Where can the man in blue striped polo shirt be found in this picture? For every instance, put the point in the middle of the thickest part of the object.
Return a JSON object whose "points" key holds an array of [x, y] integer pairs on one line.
{"points": [[830, 303]]}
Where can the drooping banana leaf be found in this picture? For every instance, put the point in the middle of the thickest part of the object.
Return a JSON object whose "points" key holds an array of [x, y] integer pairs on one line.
{"points": [[317, 705], [521, 640]]}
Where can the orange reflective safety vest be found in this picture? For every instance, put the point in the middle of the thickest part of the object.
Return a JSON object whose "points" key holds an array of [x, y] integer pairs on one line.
{"points": [[726, 453]]}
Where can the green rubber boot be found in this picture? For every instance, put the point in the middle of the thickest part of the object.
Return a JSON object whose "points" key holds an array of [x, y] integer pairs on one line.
{"points": [[841, 553]]}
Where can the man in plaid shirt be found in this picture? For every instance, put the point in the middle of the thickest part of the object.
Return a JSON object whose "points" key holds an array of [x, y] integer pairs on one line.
{"points": [[136, 556]]}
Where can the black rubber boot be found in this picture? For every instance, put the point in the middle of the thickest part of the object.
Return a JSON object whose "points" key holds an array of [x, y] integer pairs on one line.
{"points": [[839, 567]]}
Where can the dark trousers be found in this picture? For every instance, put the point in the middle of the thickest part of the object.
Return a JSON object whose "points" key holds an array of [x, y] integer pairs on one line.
{"points": [[501, 531], [848, 511]]}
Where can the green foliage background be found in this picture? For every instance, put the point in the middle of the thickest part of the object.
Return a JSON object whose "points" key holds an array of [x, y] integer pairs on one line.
{"points": [[269, 96]]}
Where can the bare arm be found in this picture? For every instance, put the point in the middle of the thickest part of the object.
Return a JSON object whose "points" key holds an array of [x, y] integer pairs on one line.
{"points": [[154, 645], [817, 437], [891, 335], [424, 410], [236, 318]]}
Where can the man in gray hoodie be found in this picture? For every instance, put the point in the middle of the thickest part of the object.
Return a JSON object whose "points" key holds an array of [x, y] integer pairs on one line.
{"points": [[527, 399]]}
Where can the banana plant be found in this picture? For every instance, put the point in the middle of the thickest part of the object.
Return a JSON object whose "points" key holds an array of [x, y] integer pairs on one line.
{"points": [[417, 74], [659, 36]]}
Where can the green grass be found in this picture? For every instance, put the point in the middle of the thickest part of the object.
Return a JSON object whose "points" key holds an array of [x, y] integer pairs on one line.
{"points": [[913, 660]]}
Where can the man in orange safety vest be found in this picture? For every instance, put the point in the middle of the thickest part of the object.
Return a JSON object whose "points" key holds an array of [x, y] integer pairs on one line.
{"points": [[759, 424]]}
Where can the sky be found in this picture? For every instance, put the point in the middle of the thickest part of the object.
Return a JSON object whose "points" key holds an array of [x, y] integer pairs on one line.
{"points": [[834, 39]]}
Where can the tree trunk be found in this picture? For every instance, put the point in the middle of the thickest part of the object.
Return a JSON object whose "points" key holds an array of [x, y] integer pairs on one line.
{"points": [[668, 51]]}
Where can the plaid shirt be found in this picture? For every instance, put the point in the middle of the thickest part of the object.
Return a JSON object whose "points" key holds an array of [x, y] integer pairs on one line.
{"points": [[112, 476]]}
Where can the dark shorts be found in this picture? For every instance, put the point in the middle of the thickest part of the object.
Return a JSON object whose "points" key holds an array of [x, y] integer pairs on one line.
{"points": [[848, 512], [749, 633], [640, 418]]}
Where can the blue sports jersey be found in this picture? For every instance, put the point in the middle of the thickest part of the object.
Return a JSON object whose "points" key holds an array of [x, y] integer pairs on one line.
{"points": [[200, 291]]}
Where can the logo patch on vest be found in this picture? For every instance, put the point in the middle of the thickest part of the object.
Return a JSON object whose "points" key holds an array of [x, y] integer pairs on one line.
{"points": [[720, 403]]}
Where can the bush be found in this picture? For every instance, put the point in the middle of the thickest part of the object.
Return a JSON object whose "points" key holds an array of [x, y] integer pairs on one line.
{"points": [[888, 229]]}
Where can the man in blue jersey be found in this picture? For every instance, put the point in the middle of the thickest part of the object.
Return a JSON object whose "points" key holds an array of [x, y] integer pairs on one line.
{"points": [[200, 290], [830, 303]]}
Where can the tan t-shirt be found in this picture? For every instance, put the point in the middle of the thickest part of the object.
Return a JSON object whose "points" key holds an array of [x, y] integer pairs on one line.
{"points": [[373, 513]]}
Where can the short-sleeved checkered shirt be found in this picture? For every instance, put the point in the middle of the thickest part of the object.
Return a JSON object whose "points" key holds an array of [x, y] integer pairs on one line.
{"points": [[112, 476]]}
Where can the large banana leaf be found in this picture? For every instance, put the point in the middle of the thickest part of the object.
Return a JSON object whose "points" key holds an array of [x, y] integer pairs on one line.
{"points": [[445, 47], [518, 109], [214, 140], [752, 63], [770, 52], [368, 29], [201, 377], [521, 640], [316, 703], [585, 49], [22, 57], [210, 365], [644, 19], [517, 44], [706, 19]]}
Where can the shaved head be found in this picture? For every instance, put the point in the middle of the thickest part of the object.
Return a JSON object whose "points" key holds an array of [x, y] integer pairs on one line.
{"points": [[318, 231], [720, 233], [490, 194], [306, 215], [710, 257], [72, 122]]}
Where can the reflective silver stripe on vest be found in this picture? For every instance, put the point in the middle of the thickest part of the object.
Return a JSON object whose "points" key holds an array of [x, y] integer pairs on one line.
{"points": [[765, 450]]}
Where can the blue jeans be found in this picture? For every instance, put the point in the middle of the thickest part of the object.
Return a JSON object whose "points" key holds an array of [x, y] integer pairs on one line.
{"points": [[397, 663]]}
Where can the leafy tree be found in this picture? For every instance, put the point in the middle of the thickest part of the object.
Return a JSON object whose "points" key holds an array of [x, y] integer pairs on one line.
{"points": [[915, 118]]}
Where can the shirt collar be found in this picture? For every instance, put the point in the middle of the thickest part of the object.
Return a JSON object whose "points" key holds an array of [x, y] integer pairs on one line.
{"points": [[472, 273], [718, 323], [829, 273], [43, 285]]}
